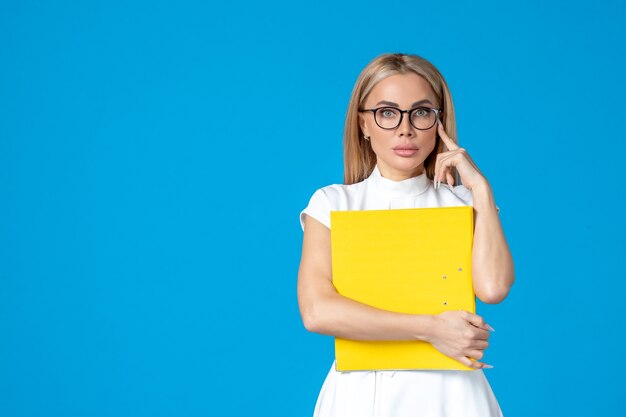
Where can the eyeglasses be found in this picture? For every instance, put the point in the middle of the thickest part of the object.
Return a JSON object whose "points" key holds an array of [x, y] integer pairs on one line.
{"points": [[422, 118]]}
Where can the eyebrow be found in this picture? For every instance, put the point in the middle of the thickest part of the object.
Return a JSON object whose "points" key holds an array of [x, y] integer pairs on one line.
{"points": [[391, 103]]}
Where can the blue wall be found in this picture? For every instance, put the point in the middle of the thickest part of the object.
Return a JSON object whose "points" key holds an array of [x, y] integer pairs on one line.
{"points": [[154, 158]]}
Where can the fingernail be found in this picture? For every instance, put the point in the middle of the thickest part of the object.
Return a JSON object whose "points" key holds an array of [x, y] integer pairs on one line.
{"points": [[491, 328], [488, 366]]}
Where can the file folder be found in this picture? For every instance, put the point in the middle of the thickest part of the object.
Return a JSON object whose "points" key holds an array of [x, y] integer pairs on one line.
{"points": [[416, 260]]}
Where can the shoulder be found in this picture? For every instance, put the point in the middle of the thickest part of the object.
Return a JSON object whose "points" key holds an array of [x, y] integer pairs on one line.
{"points": [[328, 198], [339, 194]]}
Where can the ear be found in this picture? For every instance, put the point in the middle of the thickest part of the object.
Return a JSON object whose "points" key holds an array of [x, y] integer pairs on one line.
{"points": [[362, 124]]}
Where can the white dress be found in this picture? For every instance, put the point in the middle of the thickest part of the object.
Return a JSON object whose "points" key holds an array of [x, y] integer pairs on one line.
{"points": [[402, 393]]}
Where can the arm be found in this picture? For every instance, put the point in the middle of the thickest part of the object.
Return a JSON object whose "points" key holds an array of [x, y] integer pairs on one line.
{"points": [[325, 311], [492, 263]]}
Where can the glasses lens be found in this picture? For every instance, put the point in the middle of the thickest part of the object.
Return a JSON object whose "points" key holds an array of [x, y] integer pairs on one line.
{"points": [[387, 117], [423, 118]]}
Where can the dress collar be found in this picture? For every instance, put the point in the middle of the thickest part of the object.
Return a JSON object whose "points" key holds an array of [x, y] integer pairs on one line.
{"points": [[405, 188]]}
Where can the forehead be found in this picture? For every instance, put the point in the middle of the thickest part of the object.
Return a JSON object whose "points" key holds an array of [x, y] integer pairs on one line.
{"points": [[403, 89]]}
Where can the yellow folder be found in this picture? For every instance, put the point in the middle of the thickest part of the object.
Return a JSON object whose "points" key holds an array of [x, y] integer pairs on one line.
{"points": [[416, 260]]}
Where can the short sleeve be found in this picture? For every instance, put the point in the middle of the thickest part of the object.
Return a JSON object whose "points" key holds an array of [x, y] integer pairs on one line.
{"points": [[318, 208]]}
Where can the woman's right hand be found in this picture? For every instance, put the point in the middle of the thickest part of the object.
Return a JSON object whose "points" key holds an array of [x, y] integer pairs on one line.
{"points": [[460, 335]]}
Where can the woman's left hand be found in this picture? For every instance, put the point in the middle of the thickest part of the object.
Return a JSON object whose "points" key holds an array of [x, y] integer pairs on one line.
{"points": [[459, 158]]}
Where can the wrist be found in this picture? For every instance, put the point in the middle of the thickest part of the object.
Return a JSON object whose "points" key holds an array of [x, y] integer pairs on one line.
{"points": [[483, 198], [425, 326], [483, 187]]}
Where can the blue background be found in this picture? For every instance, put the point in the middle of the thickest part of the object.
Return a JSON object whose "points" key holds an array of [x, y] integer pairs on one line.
{"points": [[155, 156]]}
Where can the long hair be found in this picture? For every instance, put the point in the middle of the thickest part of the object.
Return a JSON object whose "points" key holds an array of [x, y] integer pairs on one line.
{"points": [[359, 158]]}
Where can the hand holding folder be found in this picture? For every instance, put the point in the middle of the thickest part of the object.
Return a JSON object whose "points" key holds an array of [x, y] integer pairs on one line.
{"points": [[415, 261]]}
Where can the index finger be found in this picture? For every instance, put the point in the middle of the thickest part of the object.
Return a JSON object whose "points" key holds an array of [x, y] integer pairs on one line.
{"points": [[477, 321], [444, 136]]}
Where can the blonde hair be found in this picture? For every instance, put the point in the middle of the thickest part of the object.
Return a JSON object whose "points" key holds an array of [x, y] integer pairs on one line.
{"points": [[359, 158]]}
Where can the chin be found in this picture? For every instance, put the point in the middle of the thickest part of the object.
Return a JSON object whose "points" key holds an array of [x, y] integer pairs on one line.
{"points": [[406, 164]]}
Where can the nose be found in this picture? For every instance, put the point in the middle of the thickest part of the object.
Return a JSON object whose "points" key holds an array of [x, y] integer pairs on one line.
{"points": [[406, 128]]}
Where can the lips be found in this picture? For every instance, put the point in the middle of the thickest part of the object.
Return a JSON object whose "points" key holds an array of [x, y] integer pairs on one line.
{"points": [[405, 147]]}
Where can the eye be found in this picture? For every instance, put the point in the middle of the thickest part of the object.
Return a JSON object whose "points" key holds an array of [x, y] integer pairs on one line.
{"points": [[388, 112], [422, 112]]}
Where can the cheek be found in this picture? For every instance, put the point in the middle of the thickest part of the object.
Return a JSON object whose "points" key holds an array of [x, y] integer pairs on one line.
{"points": [[432, 140], [382, 141], [430, 144]]}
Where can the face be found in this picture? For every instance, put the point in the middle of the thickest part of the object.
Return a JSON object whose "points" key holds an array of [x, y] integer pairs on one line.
{"points": [[400, 91]]}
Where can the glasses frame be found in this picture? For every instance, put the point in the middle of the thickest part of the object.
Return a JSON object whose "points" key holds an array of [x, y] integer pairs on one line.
{"points": [[437, 112]]}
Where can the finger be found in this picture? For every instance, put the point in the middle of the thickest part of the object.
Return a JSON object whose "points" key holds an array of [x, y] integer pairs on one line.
{"points": [[450, 145], [436, 172], [445, 138], [481, 334], [480, 344], [440, 175], [477, 321], [450, 179], [438, 164], [470, 362], [479, 365], [437, 177], [443, 170], [476, 354]]}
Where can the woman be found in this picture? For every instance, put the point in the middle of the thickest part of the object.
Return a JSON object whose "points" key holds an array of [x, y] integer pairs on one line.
{"points": [[400, 149]]}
